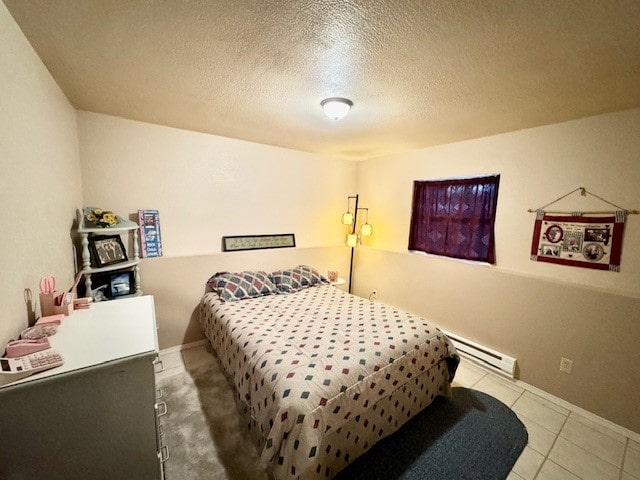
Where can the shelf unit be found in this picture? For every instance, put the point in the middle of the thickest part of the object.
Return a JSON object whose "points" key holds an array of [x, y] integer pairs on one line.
{"points": [[86, 231]]}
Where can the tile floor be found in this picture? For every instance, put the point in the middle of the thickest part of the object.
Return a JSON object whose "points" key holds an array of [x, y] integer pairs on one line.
{"points": [[563, 445]]}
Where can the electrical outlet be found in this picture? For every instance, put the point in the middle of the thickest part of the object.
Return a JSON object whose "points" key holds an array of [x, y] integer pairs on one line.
{"points": [[373, 295], [566, 365]]}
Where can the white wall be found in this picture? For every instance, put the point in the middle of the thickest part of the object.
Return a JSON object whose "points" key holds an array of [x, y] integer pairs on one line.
{"points": [[206, 187], [536, 166], [534, 311], [40, 185]]}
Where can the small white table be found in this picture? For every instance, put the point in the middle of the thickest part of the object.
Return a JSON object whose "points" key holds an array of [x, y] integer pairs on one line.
{"points": [[338, 282]]}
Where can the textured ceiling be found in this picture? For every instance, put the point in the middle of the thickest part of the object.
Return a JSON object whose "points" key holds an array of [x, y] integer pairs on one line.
{"points": [[420, 73]]}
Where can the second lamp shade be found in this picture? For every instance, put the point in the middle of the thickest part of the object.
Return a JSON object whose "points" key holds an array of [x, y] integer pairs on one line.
{"points": [[347, 218]]}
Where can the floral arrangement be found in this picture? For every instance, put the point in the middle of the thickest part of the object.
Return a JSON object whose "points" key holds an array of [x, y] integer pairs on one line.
{"points": [[101, 218]]}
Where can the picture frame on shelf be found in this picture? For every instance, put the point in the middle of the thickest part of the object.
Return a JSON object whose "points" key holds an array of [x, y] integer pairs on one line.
{"points": [[112, 285], [107, 250], [121, 283]]}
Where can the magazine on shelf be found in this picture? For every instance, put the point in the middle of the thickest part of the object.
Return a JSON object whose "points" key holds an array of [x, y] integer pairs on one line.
{"points": [[150, 239]]}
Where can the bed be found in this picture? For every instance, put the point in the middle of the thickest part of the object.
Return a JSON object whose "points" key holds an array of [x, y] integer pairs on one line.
{"points": [[322, 375]]}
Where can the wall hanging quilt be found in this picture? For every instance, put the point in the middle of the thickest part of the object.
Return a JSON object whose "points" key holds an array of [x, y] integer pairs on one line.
{"points": [[579, 241]]}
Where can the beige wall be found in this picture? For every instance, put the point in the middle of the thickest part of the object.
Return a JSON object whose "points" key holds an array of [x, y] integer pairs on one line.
{"points": [[40, 185], [178, 282], [206, 187], [533, 311], [536, 166]]}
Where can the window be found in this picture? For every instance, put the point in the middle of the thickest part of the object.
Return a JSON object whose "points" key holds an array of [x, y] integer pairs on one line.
{"points": [[455, 218]]}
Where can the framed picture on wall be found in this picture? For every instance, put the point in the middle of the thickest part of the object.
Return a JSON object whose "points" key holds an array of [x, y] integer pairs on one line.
{"points": [[255, 242], [107, 250], [150, 238]]}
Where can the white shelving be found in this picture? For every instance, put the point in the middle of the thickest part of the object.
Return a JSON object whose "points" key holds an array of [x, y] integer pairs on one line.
{"points": [[86, 231]]}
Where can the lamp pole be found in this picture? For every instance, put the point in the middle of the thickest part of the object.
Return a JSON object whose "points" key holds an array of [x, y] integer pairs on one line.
{"points": [[353, 230]]}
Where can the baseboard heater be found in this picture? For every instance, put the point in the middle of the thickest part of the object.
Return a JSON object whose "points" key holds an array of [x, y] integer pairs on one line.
{"points": [[486, 356]]}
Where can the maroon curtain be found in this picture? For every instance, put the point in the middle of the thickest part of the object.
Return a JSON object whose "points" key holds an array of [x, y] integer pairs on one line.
{"points": [[455, 218]]}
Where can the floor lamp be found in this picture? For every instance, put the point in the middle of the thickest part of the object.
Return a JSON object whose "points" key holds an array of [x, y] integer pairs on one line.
{"points": [[353, 238]]}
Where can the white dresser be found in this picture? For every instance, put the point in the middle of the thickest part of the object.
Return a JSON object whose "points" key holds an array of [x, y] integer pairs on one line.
{"points": [[95, 417]]}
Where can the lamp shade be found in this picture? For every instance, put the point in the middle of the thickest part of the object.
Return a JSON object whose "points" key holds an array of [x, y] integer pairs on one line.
{"points": [[366, 230], [336, 108], [347, 218], [352, 240]]}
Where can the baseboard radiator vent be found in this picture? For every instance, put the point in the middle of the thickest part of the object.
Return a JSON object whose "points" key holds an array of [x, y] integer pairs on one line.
{"points": [[490, 358]]}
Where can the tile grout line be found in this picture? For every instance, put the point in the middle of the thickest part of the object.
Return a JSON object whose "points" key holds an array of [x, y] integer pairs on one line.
{"points": [[538, 424], [624, 458], [511, 408], [598, 456], [546, 457], [565, 404], [489, 374], [623, 431], [477, 381], [621, 469]]}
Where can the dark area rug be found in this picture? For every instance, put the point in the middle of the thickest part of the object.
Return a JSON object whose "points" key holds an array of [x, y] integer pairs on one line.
{"points": [[471, 436]]}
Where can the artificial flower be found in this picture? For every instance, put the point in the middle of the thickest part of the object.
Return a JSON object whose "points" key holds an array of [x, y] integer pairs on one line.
{"points": [[102, 218]]}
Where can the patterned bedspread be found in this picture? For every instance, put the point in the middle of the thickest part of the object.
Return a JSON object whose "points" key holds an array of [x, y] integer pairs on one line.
{"points": [[307, 363]]}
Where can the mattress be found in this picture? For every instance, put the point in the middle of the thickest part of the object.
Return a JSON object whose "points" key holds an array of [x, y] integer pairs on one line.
{"points": [[322, 375]]}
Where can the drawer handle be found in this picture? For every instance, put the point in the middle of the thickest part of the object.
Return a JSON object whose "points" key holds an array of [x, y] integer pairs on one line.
{"points": [[164, 411], [158, 393], [159, 362], [164, 453]]}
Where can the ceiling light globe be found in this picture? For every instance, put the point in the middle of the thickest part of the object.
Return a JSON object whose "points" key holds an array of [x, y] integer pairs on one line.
{"points": [[336, 108]]}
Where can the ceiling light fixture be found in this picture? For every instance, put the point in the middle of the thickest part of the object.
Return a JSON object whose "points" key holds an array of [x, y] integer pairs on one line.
{"points": [[336, 108]]}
